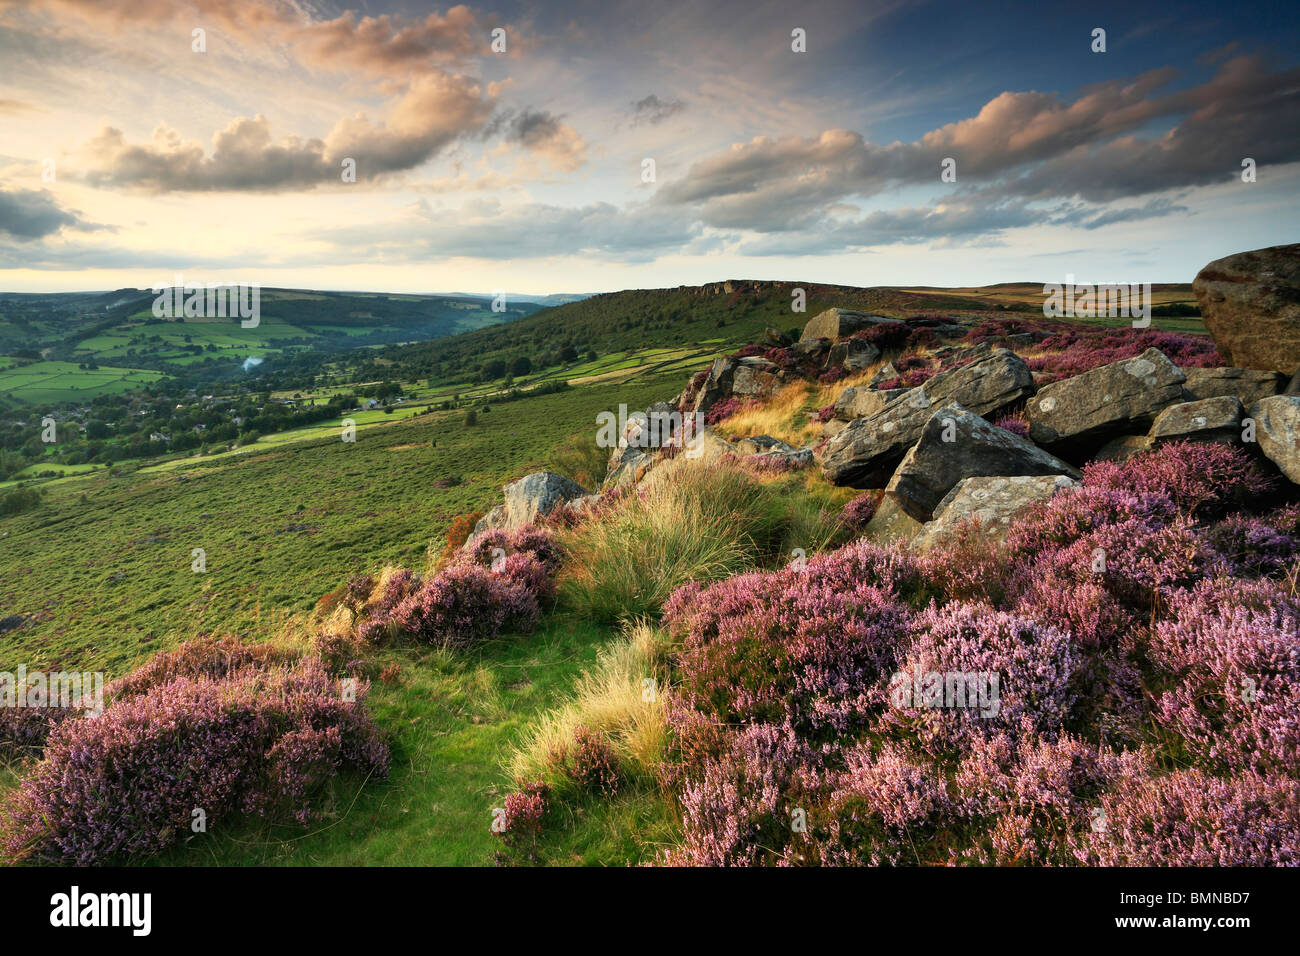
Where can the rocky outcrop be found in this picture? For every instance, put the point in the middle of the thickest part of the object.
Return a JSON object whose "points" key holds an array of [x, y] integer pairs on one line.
{"points": [[957, 444], [1247, 385], [987, 506], [755, 377], [1122, 448], [1212, 419], [891, 523], [864, 454], [1075, 416], [862, 402], [835, 324], [530, 498], [717, 384], [852, 355], [1250, 304], [1277, 429]]}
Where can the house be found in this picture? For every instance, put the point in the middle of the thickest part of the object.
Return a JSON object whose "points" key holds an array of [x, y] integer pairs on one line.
{"points": [[158, 436]]}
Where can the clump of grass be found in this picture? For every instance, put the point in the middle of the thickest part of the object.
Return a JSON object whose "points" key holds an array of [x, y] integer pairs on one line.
{"points": [[621, 699], [700, 522]]}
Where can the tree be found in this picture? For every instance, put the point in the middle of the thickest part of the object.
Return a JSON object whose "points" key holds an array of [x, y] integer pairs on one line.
{"points": [[521, 366]]}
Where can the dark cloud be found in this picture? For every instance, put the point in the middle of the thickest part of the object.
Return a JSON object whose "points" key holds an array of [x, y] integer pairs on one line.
{"points": [[28, 214], [653, 110]]}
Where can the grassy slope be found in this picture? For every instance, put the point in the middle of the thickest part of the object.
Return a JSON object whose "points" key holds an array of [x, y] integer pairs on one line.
{"points": [[103, 566]]}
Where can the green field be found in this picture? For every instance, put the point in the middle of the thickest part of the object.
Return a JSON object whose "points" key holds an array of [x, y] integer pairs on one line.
{"points": [[40, 383]]}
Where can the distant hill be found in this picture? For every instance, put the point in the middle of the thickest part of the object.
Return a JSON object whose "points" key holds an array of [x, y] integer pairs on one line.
{"points": [[733, 311], [118, 328]]}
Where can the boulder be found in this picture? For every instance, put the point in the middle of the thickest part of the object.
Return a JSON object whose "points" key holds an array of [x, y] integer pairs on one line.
{"points": [[993, 502], [1077, 415], [835, 324], [1277, 429], [1211, 419], [755, 377], [852, 354], [776, 338], [891, 523], [1247, 385], [884, 374], [785, 457], [1250, 304], [531, 497], [758, 444], [861, 402], [833, 427], [957, 444], [717, 384], [1122, 448], [864, 454]]}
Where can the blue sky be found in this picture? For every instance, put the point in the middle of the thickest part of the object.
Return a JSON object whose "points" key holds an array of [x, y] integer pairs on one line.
{"points": [[129, 156]]}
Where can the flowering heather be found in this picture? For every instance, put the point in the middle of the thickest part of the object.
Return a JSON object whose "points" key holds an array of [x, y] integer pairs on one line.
{"points": [[589, 761], [748, 351], [1014, 423], [538, 542], [824, 414], [1230, 652], [1255, 545], [391, 590], [725, 409], [257, 740], [1198, 477], [859, 511], [832, 375], [739, 810], [519, 824], [882, 804], [1034, 665], [1189, 818], [885, 335], [466, 604]]}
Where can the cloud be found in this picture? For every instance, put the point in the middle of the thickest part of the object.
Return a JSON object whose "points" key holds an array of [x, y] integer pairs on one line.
{"points": [[436, 111], [15, 106], [546, 136], [653, 110], [29, 214], [1021, 146], [487, 229]]}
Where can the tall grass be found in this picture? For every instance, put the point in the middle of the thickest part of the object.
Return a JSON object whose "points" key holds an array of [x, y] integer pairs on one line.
{"points": [[613, 699], [690, 521]]}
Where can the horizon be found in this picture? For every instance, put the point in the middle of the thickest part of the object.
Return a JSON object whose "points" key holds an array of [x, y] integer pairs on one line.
{"points": [[559, 146]]}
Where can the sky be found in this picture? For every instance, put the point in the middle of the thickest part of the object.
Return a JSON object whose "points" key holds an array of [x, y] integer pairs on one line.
{"points": [[596, 145]]}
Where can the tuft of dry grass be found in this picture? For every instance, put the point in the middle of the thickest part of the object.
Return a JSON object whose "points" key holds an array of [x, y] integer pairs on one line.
{"points": [[621, 698]]}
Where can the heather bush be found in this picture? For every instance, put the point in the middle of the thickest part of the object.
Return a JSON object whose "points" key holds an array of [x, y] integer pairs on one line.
{"points": [[859, 511], [1200, 478], [518, 824], [1189, 818], [1229, 656], [258, 739], [589, 761], [466, 604], [1032, 664]]}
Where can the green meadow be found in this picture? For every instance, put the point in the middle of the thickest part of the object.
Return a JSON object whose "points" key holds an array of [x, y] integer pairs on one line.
{"points": [[40, 383]]}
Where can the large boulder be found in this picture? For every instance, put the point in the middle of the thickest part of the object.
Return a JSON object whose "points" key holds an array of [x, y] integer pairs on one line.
{"points": [[1250, 303], [957, 444], [1075, 416], [755, 377], [987, 506], [853, 355], [1277, 429], [531, 497], [1247, 385], [717, 384], [891, 523], [835, 324], [1211, 419], [861, 402], [864, 454]]}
